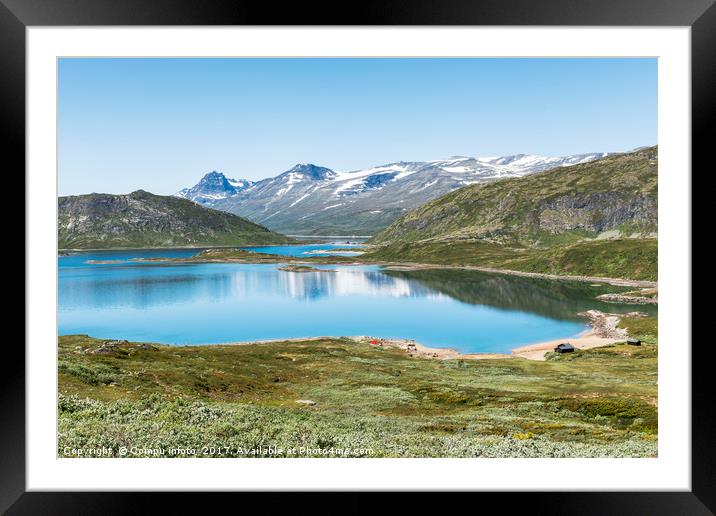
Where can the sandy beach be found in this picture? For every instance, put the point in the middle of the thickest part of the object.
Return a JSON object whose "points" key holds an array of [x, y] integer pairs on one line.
{"points": [[587, 340], [603, 330]]}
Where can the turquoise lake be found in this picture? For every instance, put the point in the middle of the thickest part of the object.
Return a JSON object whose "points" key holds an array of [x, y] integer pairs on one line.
{"points": [[176, 303], [308, 249]]}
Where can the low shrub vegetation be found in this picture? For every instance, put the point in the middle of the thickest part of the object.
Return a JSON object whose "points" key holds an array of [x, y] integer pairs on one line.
{"points": [[337, 394]]}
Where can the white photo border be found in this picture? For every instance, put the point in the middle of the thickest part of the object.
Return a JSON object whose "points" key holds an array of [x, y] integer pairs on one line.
{"points": [[670, 471]]}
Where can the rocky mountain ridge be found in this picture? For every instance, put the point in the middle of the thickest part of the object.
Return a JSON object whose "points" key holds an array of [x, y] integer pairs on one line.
{"points": [[142, 219]]}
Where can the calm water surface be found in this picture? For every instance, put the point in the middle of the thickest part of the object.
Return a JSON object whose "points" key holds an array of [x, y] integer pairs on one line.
{"points": [[176, 303], [308, 249]]}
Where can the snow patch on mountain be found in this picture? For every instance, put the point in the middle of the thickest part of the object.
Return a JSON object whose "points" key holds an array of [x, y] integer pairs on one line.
{"points": [[294, 203]]}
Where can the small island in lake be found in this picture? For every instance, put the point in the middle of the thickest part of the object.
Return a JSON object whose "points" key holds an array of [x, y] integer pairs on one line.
{"points": [[302, 268]]}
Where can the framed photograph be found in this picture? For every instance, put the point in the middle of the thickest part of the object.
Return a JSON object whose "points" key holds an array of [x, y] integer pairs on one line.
{"points": [[422, 249]]}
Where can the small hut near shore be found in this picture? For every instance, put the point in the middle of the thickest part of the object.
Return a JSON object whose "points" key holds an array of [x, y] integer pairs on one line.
{"points": [[565, 347]]}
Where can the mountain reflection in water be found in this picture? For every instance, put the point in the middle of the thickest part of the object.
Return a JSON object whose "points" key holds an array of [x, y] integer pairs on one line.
{"points": [[197, 303], [549, 298]]}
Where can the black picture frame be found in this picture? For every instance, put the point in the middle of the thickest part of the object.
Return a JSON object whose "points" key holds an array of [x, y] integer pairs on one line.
{"points": [[17, 15]]}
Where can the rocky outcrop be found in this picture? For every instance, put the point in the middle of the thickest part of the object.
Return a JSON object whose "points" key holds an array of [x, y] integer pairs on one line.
{"points": [[605, 325], [596, 212], [636, 300]]}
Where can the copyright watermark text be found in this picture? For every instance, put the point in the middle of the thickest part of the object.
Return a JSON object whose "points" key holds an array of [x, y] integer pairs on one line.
{"points": [[214, 451]]}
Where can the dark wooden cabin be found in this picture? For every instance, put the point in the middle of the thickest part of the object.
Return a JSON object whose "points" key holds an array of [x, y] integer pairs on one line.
{"points": [[565, 347]]}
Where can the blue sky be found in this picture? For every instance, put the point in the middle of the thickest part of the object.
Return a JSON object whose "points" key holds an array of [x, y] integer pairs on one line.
{"points": [[160, 124]]}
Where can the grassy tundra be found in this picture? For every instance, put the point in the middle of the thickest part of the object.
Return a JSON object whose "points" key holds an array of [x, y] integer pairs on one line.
{"points": [[633, 258], [339, 394]]}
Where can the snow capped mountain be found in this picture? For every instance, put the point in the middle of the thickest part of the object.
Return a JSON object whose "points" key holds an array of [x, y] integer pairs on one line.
{"points": [[309, 199], [213, 187], [464, 170], [308, 171]]}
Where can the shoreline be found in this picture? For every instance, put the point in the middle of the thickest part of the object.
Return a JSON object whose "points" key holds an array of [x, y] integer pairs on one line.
{"points": [[586, 340], [602, 331], [622, 282], [535, 351], [232, 246], [397, 266], [330, 236], [172, 248], [628, 299]]}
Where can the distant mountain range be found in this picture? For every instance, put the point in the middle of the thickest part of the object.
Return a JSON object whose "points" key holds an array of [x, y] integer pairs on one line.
{"points": [[309, 199], [142, 219]]}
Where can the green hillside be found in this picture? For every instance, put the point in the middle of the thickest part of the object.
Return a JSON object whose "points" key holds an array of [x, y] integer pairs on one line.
{"points": [[595, 219], [142, 219]]}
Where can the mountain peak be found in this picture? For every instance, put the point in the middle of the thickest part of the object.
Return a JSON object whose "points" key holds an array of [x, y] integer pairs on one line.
{"points": [[214, 174], [213, 187], [140, 193], [214, 177], [312, 171]]}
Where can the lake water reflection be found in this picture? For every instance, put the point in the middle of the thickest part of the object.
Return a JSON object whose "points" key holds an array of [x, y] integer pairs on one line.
{"points": [[176, 303]]}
